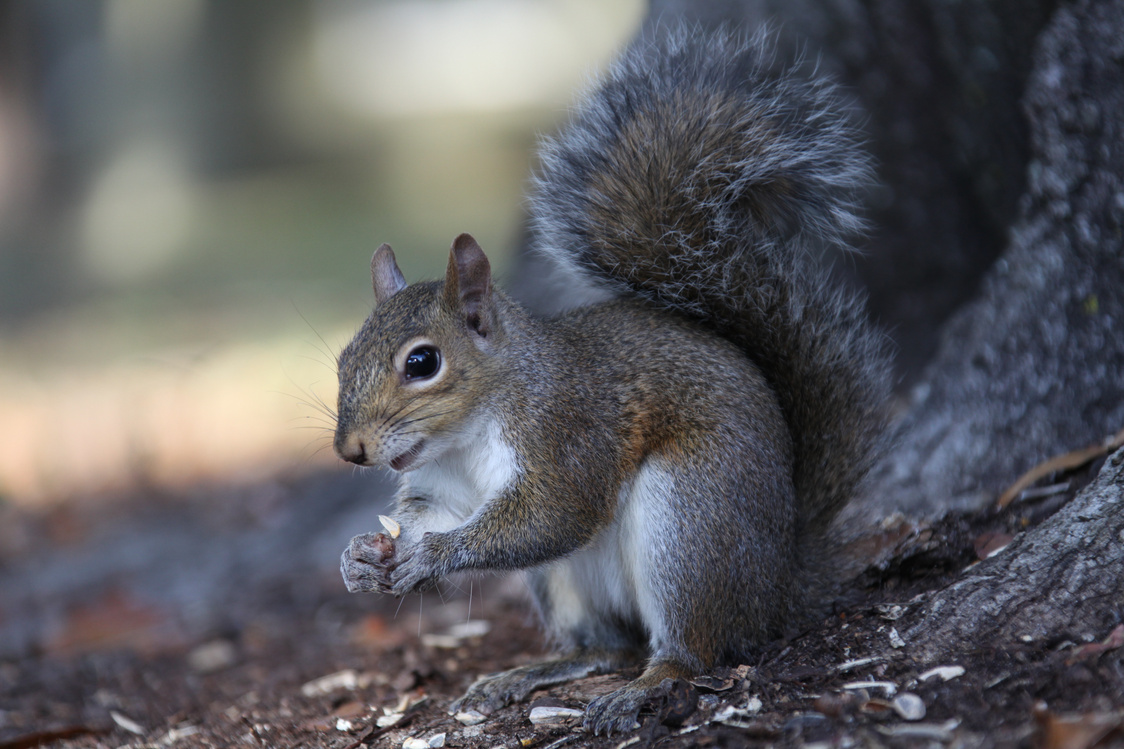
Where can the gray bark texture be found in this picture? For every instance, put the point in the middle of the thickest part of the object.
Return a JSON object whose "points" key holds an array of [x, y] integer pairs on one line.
{"points": [[1035, 365], [1063, 580]]}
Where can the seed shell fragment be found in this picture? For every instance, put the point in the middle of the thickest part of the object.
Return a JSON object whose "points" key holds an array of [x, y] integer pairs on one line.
{"points": [[391, 526]]}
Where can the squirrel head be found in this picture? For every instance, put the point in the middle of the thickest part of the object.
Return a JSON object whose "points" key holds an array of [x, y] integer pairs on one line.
{"points": [[412, 377]]}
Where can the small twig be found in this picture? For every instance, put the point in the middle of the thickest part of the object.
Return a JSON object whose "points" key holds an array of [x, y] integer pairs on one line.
{"points": [[39, 738], [563, 741], [406, 720], [677, 734], [1065, 462], [362, 738], [852, 665], [254, 729], [1049, 490]]}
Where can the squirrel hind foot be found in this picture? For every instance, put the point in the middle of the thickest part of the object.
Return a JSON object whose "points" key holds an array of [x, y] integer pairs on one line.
{"points": [[619, 711], [490, 693], [616, 712]]}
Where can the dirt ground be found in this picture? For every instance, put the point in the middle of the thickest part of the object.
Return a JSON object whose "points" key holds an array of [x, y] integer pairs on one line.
{"points": [[216, 618]]}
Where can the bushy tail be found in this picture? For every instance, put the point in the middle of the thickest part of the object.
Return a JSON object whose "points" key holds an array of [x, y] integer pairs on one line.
{"points": [[701, 176]]}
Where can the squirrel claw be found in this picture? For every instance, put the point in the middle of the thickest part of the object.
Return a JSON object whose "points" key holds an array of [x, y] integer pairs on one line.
{"points": [[615, 712]]}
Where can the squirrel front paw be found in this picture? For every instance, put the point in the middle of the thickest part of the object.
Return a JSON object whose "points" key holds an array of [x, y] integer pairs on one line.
{"points": [[374, 562], [367, 562]]}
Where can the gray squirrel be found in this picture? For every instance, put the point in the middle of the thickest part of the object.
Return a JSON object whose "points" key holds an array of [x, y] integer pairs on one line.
{"points": [[664, 464]]}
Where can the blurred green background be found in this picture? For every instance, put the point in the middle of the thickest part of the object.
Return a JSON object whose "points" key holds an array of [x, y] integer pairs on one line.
{"points": [[190, 191]]}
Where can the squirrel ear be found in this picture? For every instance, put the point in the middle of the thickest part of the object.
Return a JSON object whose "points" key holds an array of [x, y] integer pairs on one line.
{"points": [[468, 283], [386, 279]]}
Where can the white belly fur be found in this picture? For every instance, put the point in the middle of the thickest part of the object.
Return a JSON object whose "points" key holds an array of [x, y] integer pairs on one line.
{"points": [[617, 574]]}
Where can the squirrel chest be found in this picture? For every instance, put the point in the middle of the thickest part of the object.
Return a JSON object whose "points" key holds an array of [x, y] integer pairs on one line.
{"points": [[478, 469]]}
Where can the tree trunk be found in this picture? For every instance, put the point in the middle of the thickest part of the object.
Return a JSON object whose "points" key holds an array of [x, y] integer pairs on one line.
{"points": [[1035, 366], [1062, 580]]}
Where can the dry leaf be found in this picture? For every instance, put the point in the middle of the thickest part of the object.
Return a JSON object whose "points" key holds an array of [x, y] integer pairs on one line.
{"points": [[991, 543], [1084, 731], [1114, 640]]}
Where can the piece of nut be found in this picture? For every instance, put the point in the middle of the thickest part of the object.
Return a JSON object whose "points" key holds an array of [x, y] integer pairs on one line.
{"points": [[391, 526], [541, 715], [909, 706], [470, 717]]}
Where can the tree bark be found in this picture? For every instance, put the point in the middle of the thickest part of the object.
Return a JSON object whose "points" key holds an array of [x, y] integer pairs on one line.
{"points": [[1062, 580], [1034, 367]]}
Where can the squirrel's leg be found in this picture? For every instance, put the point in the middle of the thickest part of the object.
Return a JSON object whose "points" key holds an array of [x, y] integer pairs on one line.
{"points": [[702, 541], [593, 642], [658, 553]]}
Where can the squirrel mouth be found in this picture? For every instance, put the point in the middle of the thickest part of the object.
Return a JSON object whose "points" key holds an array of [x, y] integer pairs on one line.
{"points": [[403, 461]]}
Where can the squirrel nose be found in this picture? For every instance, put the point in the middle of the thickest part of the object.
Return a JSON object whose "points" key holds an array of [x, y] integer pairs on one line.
{"points": [[352, 449]]}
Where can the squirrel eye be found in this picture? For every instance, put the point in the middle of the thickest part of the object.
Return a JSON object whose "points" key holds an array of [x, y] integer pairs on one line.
{"points": [[424, 361]]}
